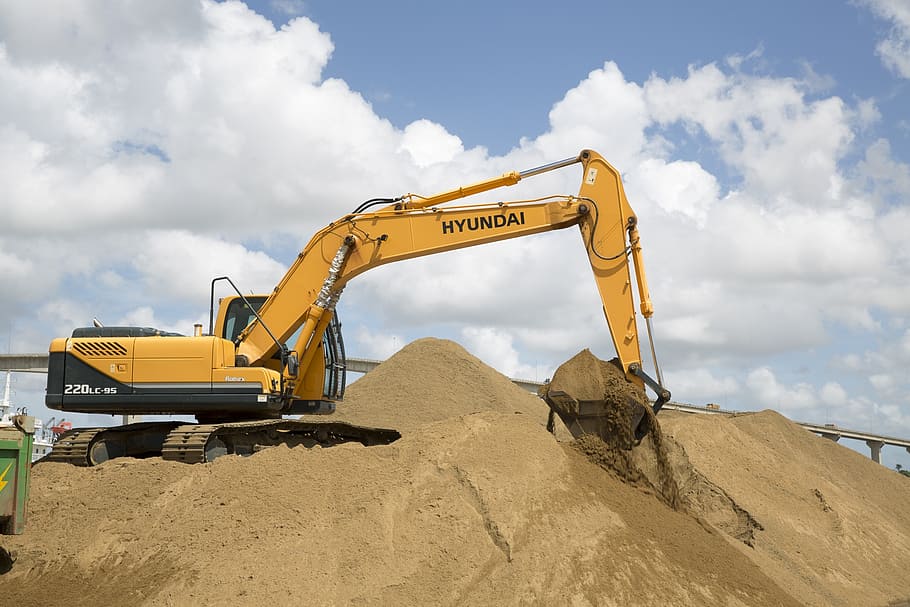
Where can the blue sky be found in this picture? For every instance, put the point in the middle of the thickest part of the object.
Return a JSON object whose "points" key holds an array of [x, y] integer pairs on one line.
{"points": [[490, 71], [765, 146]]}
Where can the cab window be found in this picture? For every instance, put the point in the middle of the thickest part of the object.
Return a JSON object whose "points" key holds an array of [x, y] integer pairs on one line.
{"points": [[239, 315]]}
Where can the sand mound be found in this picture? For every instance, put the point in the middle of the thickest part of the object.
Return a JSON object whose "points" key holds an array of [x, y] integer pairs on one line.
{"points": [[486, 509], [474, 505], [834, 525], [430, 380]]}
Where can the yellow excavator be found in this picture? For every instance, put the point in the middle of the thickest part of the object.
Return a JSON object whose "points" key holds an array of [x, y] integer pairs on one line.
{"points": [[270, 356]]}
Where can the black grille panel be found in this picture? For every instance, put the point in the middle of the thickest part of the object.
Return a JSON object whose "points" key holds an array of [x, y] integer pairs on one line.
{"points": [[99, 348]]}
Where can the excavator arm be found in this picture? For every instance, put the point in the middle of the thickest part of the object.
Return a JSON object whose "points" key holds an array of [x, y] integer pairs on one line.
{"points": [[414, 226]]}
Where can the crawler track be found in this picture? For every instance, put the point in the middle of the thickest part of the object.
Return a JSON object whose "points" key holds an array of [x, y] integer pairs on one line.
{"points": [[199, 443], [72, 447]]}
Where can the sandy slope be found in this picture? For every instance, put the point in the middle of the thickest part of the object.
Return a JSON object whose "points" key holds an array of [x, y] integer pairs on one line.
{"points": [[477, 505], [835, 525]]}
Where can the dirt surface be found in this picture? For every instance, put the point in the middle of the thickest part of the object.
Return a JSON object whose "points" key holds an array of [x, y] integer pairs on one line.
{"points": [[476, 505]]}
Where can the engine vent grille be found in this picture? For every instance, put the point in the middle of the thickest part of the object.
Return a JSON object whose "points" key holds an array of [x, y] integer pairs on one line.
{"points": [[99, 348]]}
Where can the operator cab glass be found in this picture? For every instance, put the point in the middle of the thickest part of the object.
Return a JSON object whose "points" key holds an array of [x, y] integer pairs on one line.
{"points": [[239, 315]]}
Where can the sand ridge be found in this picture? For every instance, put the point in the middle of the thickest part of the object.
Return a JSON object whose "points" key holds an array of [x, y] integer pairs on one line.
{"points": [[476, 505]]}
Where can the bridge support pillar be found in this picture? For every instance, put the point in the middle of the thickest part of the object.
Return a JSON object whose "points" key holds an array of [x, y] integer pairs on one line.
{"points": [[876, 447]]}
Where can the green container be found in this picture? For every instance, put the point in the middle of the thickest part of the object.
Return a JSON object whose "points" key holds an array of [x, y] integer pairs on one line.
{"points": [[15, 469]]}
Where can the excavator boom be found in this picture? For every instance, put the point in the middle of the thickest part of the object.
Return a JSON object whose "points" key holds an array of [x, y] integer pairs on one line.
{"points": [[419, 226]]}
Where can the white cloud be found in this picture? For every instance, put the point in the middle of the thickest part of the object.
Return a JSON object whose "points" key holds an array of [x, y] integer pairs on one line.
{"points": [[178, 265], [146, 149], [376, 345], [693, 328], [768, 392], [894, 49], [817, 83], [61, 316], [833, 394], [701, 386], [496, 348], [15, 268], [888, 177], [604, 109], [785, 146], [143, 316], [288, 7], [868, 112], [677, 187], [429, 143], [882, 382]]}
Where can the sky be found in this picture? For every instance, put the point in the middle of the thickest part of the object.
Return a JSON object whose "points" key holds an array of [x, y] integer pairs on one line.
{"points": [[146, 148]]}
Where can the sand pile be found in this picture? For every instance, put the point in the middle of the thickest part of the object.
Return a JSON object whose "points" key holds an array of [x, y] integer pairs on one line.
{"points": [[474, 505], [833, 527], [431, 380], [485, 509]]}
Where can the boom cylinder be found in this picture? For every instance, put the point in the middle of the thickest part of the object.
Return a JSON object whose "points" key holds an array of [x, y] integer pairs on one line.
{"points": [[506, 179], [644, 295]]}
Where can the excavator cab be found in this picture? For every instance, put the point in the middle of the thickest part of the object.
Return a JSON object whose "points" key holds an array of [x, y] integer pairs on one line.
{"points": [[237, 312]]}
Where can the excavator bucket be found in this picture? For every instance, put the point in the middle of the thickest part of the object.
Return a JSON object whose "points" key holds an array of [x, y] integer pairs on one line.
{"points": [[593, 396]]}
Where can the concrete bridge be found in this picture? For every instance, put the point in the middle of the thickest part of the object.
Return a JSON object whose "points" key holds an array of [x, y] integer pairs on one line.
{"points": [[24, 363], [37, 363]]}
